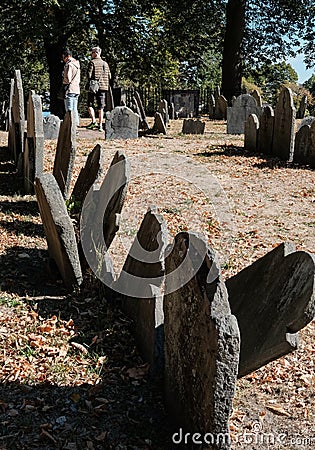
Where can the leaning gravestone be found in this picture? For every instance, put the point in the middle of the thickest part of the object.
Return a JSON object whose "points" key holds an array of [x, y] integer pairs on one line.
{"points": [[251, 133], [143, 119], [222, 106], [143, 272], [192, 126], [237, 114], [17, 128], [51, 126], [65, 153], [33, 155], [62, 246], [121, 123], [272, 300], [163, 110], [283, 135], [201, 341], [265, 131], [159, 125], [257, 97]]}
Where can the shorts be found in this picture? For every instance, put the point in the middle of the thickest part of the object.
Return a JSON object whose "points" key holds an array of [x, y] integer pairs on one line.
{"points": [[100, 99]]}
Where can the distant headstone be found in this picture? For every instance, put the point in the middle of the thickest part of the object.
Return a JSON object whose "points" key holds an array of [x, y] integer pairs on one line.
{"points": [[33, 155], [302, 108], [171, 111], [201, 341], [143, 119], [222, 107], [109, 99], [237, 114], [251, 133], [193, 126], [304, 145], [163, 110], [17, 125], [272, 300], [159, 124], [62, 246], [121, 123], [51, 125], [257, 97], [186, 101], [283, 135], [211, 106], [265, 132]]}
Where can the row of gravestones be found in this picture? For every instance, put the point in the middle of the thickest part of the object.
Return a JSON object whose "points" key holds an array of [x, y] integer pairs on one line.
{"points": [[272, 132]]}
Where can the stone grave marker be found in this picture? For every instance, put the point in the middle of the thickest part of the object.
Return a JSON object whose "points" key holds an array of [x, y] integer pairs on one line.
{"points": [[143, 272], [33, 155], [243, 106], [51, 126], [201, 340], [163, 110], [159, 125], [222, 107], [193, 126], [65, 153], [265, 131], [272, 300], [17, 125], [186, 101], [302, 108], [143, 118], [304, 145], [121, 123], [283, 135], [59, 231], [306, 121], [257, 97], [171, 111], [251, 133], [211, 106]]}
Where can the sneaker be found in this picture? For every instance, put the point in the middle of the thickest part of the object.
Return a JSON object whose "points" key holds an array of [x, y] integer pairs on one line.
{"points": [[101, 129], [92, 126]]}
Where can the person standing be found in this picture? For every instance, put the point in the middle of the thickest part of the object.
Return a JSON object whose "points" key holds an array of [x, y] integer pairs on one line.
{"points": [[71, 77], [98, 69]]}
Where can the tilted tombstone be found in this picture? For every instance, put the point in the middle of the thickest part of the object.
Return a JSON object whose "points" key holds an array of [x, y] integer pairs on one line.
{"points": [[65, 153], [283, 135], [201, 341], [121, 123], [265, 131], [143, 118], [211, 106], [51, 126], [163, 110], [257, 97], [33, 155], [222, 106], [251, 133], [303, 151], [17, 125], [272, 300], [59, 231], [237, 114], [302, 108], [143, 272], [193, 126], [159, 125]]}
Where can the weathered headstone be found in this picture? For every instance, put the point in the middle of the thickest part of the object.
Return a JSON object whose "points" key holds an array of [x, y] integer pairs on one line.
{"points": [[257, 97], [33, 155], [143, 120], [62, 246], [109, 99], [193, 126], [171, 111], [302, 108], [65, 153], [303, 153], [51, 125], [163, 110], [17, 126], [237, 114], [159, 125], [283, 135], [201, 341], [121, 123], [143, 272], [272, 300], [265, 132], [211, 106], [222, 106], [251, 133]]}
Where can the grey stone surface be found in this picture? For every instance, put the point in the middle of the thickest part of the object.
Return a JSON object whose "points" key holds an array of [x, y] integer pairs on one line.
{"points": [[243, 106], [17, 123], [62, 245], [283, 135], [51, 125], [272, 300], [201, 341], [159, 125], [33, 155], [171, 111], [306, 121], [121, 123], [251, 133], [65, 153], [265, 131], [193, 126], [257, 97], [163, 110], [222, 107], [304, 153]]}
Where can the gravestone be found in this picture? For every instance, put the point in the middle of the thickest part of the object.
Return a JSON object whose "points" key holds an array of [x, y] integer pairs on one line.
{"points": [[306, 121], [163, 110], [65, 153], [17, 125], [143, 120], [171, 111], [159, 125], [58, 228], [272, 300], [186, 101], [193, 126], [283, 135], [201, 341], [222, 107], [143, 272], [237, 114], [257, 97], [302, 108], [303, 152], [51, 126], [121, 123], [251, 133], [109, 99], [211, 106], [33, 155], [265, 131]]}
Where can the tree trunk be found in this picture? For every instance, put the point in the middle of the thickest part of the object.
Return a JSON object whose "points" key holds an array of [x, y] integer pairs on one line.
{"points": [[232, 62], [55, 67]]}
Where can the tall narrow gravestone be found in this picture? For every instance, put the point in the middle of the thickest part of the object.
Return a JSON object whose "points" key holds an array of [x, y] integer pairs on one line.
{"points": [[283, 135], [17, 128], [201, 341], [272, 300], [265, 131], [251, 133]]}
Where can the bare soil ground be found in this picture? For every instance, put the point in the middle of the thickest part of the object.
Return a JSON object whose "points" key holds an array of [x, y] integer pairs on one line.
{"points": [[70, 375]]}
